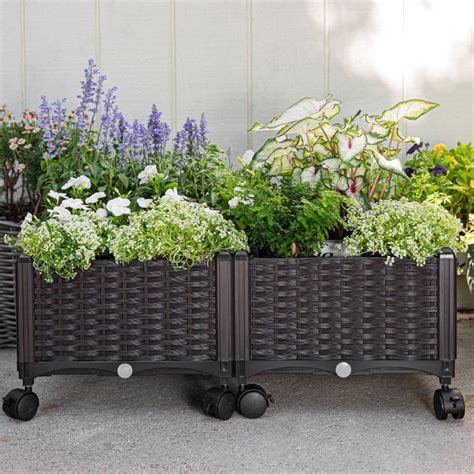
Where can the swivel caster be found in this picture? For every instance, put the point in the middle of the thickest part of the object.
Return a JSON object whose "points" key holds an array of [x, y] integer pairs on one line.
{"points": [[448, 401], [253, 401], [219, 402], [21, 404]]}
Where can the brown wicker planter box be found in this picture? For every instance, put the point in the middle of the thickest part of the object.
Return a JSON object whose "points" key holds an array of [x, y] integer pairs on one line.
{"points": [[7, 286], [347, 316]]}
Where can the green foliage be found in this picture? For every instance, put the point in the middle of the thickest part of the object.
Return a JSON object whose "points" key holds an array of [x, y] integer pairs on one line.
{"points": [[182, 232], [357, 161], [283, 219], [403, 229], [447, 174], [62, 246]]}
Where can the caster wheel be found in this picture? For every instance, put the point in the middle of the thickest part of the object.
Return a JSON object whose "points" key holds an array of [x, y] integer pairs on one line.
{"points": [[219, 402], [253, 401], [448, 401], [21, 404]]}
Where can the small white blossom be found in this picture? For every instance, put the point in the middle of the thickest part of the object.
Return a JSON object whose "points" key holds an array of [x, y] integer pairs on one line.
{"points": [[74, 204], [57, 196], [172, 195], [247, 157], [60, 211], [234, 202], [95, 197], [102, 213], [27, 220], [81, 182], [210, 211], [144, 203], [118, 206], [148, 174]]}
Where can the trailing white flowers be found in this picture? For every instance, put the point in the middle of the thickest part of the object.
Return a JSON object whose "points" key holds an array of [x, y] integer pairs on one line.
{"points": [[403, 229], [182, 232]]}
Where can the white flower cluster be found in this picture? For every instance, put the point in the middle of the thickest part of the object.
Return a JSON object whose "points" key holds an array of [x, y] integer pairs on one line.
{"points": [[183, 232], [403, 229], [243, 198]]}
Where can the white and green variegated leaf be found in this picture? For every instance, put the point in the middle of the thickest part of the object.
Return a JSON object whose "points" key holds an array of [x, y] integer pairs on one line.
{"points": [[272, 144], [304, 108], [321, 150], [302, 127], [409, 109], [350, 147], [325, 130], [397, 136], [341, 183], [331, 164], [394, 166], [374, 139], [281, 162], [374, 128], [297, 175], [309, 175]]}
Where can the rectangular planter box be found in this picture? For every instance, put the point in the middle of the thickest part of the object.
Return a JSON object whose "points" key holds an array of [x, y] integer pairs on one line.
{"points": [[311, 314], [147, 315]]}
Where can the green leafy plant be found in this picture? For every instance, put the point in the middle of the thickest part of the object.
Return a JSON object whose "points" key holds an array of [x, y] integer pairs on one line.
{"points": [[447, 174], [182, 232], [359, 162], [62, 245], [282, 218], [403, 229]]}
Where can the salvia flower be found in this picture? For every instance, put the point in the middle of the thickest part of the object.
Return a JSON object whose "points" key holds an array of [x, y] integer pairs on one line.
{"points": [[191, 140], [158, 131]]}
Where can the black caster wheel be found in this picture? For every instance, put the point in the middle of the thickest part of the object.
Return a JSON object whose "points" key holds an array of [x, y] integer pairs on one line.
{"points": [[21, 404], [253, 401], [448, 401], [219, 402]]}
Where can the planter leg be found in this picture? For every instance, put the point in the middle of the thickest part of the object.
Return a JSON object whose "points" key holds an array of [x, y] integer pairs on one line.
{"points": [[253, 401], [21, 404], [448, 401]]}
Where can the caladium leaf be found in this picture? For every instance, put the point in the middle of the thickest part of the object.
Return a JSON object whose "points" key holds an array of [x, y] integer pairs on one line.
{"points": [[409, 109], [374, 128], [304, 108], [397, 136], [374, 139], [394, 166], [341, 183], [272, 144], [331, 164], [350, 147], [308, 175], [281, 162], [325, 130]]}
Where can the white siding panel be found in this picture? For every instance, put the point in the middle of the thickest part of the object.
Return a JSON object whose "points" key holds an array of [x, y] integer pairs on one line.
{"points": [[10, 55], [439, 67], [365, 58], [211, 59], [135, 54], [60, 38], [288, 52]]}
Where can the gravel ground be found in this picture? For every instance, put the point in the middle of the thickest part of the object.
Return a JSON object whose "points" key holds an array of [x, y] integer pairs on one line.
{"points": [[319, 423]]}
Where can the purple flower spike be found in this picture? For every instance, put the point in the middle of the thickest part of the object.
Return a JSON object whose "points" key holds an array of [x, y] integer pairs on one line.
{"points": [[52, 122], [158, 131], [438, 170], [191, 140]]}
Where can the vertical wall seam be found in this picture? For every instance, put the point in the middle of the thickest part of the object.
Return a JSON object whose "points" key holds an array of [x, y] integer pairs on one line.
{"points": [[403, 63], [22, 57], [249, 75], [327, 87], [173, 65], [98, 55]]}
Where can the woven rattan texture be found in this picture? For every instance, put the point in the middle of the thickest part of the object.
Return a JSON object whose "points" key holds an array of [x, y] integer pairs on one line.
{"points": [[343, 308], [138, 312], [7, 287]]}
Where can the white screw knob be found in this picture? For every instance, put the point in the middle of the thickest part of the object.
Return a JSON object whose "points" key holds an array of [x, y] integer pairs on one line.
{"points": [[343, 370], [125, 371]]}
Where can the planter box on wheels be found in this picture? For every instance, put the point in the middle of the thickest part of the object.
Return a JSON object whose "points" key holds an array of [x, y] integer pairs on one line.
{"points": [[141, 318], [347, 316]]}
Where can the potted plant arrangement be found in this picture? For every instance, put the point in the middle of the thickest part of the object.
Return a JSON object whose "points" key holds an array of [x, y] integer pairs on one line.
{"points": [[20, 149], [146, 259]]}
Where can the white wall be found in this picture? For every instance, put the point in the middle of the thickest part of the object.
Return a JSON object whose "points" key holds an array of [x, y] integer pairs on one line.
{"points": [[246, 60]]}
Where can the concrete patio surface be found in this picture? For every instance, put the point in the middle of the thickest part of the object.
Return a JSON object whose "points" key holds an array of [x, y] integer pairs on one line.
{"points": [[319, 423]]}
